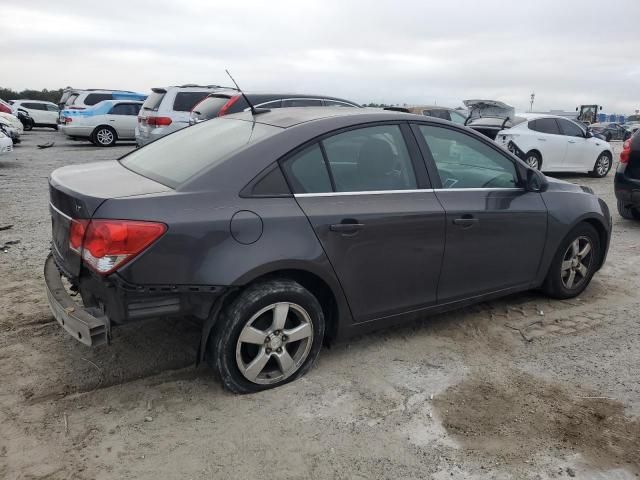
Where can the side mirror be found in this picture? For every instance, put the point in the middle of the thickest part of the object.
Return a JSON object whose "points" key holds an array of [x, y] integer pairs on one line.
{"points": [[536, 181], [589, 134]]}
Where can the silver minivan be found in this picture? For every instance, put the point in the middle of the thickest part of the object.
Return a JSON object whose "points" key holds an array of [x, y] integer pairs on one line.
{"points": [[168, 109]]}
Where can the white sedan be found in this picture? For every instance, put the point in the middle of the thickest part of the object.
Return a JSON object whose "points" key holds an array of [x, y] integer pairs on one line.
{"points": [[6, 145], [103, 124], [556, 144]]}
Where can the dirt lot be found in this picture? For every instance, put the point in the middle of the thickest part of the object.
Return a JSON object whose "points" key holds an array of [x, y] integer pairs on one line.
{"points": [[519, 388]]}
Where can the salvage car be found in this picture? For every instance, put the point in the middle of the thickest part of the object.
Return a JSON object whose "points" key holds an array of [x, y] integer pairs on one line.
{"points": [[43, 114], [610, 131], [298, 226], [104, 124], [6, 144], [226, 102], [556, 144], [627, 179], [490, 116], [168, 109]]}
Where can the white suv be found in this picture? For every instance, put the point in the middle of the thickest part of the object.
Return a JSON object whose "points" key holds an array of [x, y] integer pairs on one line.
{"points": [[168, 109], [44, 114]]}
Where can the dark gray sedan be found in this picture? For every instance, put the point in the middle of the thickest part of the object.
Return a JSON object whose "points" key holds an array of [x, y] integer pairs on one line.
{"points": [[294, 227]]}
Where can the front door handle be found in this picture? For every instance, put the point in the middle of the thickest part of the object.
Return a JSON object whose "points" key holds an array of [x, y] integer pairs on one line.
{"points": [[542, 139], [347, 226], [572, 141], [465, 221]]}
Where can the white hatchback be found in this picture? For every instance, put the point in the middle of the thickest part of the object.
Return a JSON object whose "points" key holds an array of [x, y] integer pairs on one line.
{"points": [[556, 144], [44, 114]]}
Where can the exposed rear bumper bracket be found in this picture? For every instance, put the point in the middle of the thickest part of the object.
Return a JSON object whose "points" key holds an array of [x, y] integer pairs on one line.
{"points": [[78, 321]]}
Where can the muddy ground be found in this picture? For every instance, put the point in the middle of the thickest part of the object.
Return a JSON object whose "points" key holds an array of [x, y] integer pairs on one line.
{"points": [[521, 388]]}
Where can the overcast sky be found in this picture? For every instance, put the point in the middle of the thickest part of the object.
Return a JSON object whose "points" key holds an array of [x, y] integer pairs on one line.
{"points": [[568, 52]]}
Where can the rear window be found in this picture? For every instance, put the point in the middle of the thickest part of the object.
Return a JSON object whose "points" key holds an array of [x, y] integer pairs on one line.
{"points": [[153, 101], [71, 99], [94, 98], [175, 158], [210, 107], [185, 101]]}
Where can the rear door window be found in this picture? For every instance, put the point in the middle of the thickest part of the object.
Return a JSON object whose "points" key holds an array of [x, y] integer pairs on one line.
{"points": [[125, 109], [301, 102], [94, 98], [369, 159], [307, 171], [545, 125], [335, 103], [71, 99], [185, 101], [51, 108]]}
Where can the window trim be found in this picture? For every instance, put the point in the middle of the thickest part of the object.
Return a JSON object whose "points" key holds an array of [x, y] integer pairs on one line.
{"points": [[555, 120], [432, 169], [421, 175]]}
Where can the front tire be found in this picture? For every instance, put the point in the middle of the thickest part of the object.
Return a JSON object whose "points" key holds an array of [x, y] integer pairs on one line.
{"points": [[269, 335], [574, 263], [28, 126], [602, 166], [104, 137], [629, 213]]}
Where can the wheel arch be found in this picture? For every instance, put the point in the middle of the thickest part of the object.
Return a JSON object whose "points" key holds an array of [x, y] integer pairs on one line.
{"points": [[603, 235]]}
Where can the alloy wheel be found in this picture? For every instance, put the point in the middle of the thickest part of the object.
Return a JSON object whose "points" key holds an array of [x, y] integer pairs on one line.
{"points": [[602, 165], [532, 161], [104, 136], [576, 262], [274, 343]]}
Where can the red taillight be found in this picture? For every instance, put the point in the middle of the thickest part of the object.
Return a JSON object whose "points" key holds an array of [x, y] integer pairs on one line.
{"points": [[626, 151], [225, 108], [66, 120], [159, 121], [108, 244]]}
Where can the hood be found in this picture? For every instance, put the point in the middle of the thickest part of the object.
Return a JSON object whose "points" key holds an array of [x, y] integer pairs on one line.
{"points": [[489, 108], [557, 185]]}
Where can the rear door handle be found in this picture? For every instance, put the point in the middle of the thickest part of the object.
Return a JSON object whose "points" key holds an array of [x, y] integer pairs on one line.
{"points": [[542, 139], [346, 227], [572, 141], [465, 221]]}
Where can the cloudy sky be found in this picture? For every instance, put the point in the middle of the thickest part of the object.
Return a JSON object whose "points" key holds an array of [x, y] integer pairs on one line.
{"points": [[568, 52]]}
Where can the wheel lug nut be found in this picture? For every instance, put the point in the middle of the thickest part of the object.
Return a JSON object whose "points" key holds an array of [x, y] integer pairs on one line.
{"points": [[284, 338], [267, 340], [279, 350], [268, 350]]}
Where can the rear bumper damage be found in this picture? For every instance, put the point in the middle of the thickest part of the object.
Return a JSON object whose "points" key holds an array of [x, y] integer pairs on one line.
{"points": [[111, 302], [85, 325]]}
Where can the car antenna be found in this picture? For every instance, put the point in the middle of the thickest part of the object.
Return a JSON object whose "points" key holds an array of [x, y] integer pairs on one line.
{"points": [[254, 110]]}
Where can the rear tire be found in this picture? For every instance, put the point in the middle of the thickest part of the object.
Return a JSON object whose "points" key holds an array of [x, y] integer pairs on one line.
{"points": [[533, 160], [269, 335], [602, 166], [574, 263], [629, 213], [28, 126], [104, 136]]}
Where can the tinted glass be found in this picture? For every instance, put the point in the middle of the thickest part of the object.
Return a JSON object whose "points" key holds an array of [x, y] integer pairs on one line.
{"points": [[544, 125], [437, 113], [210, 107], [457, 117], [334, 103], [466, 162], [301, 102], [71, 99], [153, 101], [274, 104], [570, 129], [175, 158], [34, 106], [94, 98], [185, 101], [272, 184], [307, 172], [373, 158], [125, 109]]}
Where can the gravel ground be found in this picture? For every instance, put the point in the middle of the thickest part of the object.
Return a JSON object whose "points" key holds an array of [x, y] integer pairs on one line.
{"points": [[521, 388]]}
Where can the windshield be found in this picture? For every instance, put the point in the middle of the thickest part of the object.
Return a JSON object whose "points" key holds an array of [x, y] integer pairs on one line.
{"points": [[179, 156]]}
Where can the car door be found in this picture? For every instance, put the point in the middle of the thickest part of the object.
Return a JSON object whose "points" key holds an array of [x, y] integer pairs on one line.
{"points": [[366, 194], [495, 230], [581, 153], [123, 117], [52, 113], [36, 111], [550, 142]]}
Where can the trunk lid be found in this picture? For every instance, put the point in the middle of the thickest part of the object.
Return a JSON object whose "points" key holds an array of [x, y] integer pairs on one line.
{"points": [[75, 192]]}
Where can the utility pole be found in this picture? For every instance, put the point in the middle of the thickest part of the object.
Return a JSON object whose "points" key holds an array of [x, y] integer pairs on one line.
{"points": [[533, 96]]}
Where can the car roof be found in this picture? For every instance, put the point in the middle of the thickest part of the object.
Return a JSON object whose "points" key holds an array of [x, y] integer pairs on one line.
{"points": [[289, 117], [534, 116], [22, 100]]}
